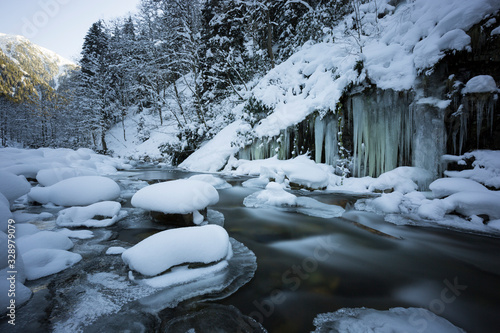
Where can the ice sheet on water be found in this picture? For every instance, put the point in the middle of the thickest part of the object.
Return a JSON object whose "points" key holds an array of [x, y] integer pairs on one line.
{"points": [[78, 234], [363, 320], [95, 300]]}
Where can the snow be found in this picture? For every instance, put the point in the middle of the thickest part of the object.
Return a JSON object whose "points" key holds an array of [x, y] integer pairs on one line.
{"points": [[486, 167], [216, 182], [363, 320], [300, 170], [275, 195], [401, 179], [43, 240], [180, 196], [444, 187], [48, 177], [77, 191], [5, 215], [115, 250], [85, 216], [480, 84], [42, 262], [78, 234], [214, 154], [495, 31], [169, 248], [13, 186], [393, 50]]}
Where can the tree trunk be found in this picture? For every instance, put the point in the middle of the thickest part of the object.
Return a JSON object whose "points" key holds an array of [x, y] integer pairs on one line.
{"points": [[270, 37]]}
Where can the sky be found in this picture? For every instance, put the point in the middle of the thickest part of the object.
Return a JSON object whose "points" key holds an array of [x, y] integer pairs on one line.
{"points": [[59, 25]]}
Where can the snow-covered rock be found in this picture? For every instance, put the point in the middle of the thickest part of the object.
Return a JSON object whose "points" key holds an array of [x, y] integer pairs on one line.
{"points": [[43, 240], [444, 187], [115, 250], [363, 320], [480, 84], [48, 177], [44, 262], [301, 171], [77, 191], [273, 195], [169, 248], [181, 196], [85, 216], [13, 186]]}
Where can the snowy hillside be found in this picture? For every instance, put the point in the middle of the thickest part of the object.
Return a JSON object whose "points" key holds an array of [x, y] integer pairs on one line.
{"points": [[390, 48]]}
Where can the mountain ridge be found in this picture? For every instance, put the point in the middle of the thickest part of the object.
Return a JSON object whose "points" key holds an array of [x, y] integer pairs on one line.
{"points": [[27, 67]]}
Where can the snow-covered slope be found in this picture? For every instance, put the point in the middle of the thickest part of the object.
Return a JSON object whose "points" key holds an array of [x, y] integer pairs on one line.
{"points": [[395, 46]]}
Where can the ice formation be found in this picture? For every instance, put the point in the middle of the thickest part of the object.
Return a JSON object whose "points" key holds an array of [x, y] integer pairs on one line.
{"points": [[363, 320]]}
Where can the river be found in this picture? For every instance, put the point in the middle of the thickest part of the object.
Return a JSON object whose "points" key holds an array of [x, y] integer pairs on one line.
{"points": [[309, 265]]}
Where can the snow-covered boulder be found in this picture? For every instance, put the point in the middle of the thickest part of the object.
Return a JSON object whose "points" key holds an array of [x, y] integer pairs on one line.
{"points": [[13, 186], [48, 177], [183, 196], [77, 191], [444, 187], [43, 240], [44, 262], [87, 216], [5, 215], [164, 250], [480, 84], [410, 320]]}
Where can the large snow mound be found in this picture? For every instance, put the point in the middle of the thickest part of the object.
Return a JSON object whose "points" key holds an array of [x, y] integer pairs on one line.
{"points": [[362, 320], [77, 191], [180, 196], [86, 216], [169, 248]]}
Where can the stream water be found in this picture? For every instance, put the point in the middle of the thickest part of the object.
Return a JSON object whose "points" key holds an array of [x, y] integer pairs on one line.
{"points": [[308, 265]]}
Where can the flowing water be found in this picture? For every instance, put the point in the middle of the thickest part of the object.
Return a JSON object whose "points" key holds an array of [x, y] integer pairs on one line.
{"points": [[308, 265]]}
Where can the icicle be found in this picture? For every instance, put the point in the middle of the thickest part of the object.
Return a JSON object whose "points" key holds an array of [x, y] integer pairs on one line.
{"points": [[319, 137]]}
